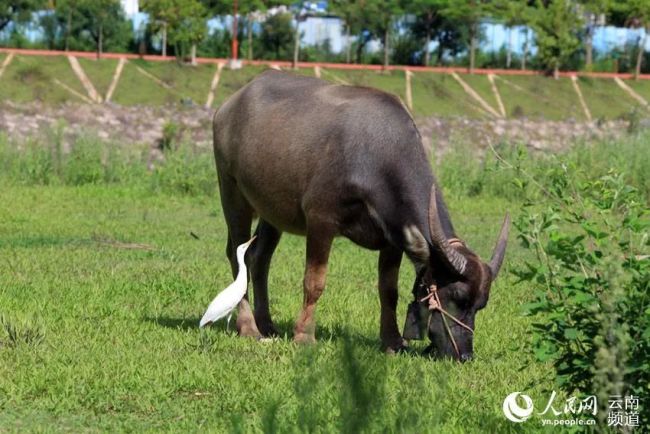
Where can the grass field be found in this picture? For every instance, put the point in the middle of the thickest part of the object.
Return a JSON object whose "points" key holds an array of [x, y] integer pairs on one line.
{"points": [[44, 79], [102, 285]]}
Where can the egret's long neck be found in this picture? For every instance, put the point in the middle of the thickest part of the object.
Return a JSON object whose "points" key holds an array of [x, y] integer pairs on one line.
{"points": [[242, 273]]}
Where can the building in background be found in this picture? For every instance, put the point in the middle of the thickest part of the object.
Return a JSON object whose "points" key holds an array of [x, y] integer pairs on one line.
{"points": [[130, 7]]}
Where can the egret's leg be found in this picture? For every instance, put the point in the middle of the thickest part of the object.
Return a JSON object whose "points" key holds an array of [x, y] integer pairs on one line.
{"points": [[319, 243], [260, 255], [228, 322]]}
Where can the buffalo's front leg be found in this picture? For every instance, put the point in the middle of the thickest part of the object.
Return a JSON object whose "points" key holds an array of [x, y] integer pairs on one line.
{"points": [[319, 243], [389, 263]]}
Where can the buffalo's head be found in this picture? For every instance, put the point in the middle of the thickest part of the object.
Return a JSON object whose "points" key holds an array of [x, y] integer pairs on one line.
{"points": [[460, 282]]}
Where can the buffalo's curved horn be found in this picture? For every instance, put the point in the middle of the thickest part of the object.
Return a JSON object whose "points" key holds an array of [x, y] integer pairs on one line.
{"points": [[453, 259], [500, 249]]}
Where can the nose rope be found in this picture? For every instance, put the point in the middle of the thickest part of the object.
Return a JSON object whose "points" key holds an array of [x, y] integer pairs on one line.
{"points": [[435, 304]]}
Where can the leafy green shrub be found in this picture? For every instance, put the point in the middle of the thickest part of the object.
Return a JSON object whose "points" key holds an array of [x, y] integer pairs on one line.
{"points": [[30, 74], [186, 170], [592, 279], [84, 163], [465, 173], [171, 132]]}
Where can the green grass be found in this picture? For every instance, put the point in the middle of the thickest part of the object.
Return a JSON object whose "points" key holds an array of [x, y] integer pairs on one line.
{"points": [[440, 94], [121, 348], [482, 86], [187, 81], [539, 97], [605, 99], [98, 337], [642, 87], [32, 78], [135, 88], [99, 72], [232, 80]]}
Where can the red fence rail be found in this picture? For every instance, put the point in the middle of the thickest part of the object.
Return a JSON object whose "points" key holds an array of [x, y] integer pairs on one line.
{"points": [[328, 65]]}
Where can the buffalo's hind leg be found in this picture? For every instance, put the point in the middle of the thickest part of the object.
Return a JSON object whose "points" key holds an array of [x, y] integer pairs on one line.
{"points": [[262, 250], [239, 216], [319, 243]]}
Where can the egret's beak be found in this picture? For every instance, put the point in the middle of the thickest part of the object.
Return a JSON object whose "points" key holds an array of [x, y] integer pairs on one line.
{"points": [[249, 242]]}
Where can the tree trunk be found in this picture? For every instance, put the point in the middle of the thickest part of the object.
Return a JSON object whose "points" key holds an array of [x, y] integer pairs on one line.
{"points": [[100, 40], [556, 71], [347, 43], [386, 36], [296, 44], [68, 26], [589, 49], [249, 34], [525, 53], [360, 46], [427, 42], [472, 49], [509, 49], [193, 54], [639, 56], [164, 40]]}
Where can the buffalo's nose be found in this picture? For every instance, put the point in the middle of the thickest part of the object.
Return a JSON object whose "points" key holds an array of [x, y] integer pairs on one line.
{"points": [[466, 357]]}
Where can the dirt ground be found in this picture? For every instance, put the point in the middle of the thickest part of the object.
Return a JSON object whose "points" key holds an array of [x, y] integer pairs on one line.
{"points": [[147, 125]]}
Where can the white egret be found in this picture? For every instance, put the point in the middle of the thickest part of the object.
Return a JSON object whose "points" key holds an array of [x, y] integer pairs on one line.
{"points": [[227, 300]]}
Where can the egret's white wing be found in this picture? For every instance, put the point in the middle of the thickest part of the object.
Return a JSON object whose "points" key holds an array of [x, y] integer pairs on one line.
{"points": [[222, 305]]}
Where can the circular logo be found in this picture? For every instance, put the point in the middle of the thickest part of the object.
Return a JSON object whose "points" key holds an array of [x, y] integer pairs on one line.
{"points": [[513, 411]]}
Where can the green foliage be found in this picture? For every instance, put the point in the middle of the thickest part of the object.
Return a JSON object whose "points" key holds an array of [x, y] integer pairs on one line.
{"points": [[17, 11], [629, 156], [591, 279], [186, 170], [277, 37], [185, 21], [556, 24]]}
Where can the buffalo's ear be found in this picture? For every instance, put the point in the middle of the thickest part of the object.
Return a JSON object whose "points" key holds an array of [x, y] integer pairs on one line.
{"points": [[500, 248]]}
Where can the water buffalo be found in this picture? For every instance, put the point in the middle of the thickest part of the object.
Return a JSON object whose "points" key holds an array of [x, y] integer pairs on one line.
{"points": [[322, 160]]}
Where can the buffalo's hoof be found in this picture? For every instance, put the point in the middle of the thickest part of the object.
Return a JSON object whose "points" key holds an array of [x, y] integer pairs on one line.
{"points": [[304, 339], [396, 347], [247, 328], [266, 328]]}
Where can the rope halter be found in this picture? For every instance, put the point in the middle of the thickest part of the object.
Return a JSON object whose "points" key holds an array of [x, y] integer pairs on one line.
{"points": [[435, 304]]}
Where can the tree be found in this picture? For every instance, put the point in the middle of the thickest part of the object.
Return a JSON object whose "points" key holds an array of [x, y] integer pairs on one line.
{"points": [[637, 15], [252, 9], [556, 24], [593, 10], [64, 10], [380, 15], [512, 13], [277, 35], [469, 12], [18, 11], [351, 14], [429, 17], [88, 25], [184, 21]]}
